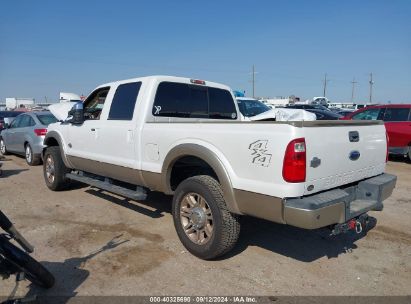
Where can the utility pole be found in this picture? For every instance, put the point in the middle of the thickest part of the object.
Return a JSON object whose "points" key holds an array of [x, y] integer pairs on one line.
{"points": [[325, 84], [253, 81], [352, 91], [371, 84]]}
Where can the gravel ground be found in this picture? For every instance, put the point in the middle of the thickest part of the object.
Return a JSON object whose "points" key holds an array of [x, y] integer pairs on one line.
{"points": [[96, 243]]}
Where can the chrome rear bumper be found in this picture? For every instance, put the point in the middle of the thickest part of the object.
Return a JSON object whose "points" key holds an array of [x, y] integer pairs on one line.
{"points": [[339, 205]]}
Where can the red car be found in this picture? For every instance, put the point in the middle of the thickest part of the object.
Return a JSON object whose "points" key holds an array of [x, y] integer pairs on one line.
{"points": [[397, 120]]}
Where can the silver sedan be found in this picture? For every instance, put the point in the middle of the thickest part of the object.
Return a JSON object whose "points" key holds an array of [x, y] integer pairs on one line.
{"points": [[25, 135]]}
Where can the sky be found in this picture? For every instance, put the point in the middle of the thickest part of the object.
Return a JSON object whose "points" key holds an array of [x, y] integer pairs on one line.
{"points": [[47, 47]]}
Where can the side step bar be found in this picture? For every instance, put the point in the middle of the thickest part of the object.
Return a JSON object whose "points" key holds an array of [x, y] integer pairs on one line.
{"points": [[139, 194]]}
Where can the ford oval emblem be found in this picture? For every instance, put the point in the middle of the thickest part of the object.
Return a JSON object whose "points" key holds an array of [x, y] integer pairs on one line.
{"points": [[354, 155]]}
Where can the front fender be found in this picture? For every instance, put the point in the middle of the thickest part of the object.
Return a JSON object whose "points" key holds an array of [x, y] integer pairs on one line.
{"points": [[53, 137]]}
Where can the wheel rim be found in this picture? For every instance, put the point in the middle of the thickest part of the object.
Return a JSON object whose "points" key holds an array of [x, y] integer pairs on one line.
{"points": [[196, 218], [50, 173], [2, 147], [28, 153]]}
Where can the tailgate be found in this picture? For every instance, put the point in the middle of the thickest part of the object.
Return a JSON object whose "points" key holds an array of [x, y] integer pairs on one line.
{"points": [[340, 154]]}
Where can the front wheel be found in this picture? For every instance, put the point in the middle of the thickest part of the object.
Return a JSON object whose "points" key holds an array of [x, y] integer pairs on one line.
{"points": [[23, 262], [54, 169], [202, 220]]}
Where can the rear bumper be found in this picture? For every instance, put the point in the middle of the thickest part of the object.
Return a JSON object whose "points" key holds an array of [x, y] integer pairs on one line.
{"points": [[38, 148], [338, 205]]}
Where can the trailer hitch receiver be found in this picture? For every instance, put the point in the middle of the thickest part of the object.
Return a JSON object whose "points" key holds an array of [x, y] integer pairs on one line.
{"points": [[357, 224]]}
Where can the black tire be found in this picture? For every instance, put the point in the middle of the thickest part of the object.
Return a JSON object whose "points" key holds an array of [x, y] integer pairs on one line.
{"points": [[2, 143], [59, 182], [23, 262], [31, 158], [226, 226]]}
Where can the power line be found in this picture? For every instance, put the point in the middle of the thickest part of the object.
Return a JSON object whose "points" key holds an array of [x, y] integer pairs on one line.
{"points": [[352, 91]]}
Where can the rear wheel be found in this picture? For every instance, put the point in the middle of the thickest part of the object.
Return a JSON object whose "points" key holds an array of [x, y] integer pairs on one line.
{"points": [[54, 169], [31, 158], [3, 149], [23, 262], [202, 220]]}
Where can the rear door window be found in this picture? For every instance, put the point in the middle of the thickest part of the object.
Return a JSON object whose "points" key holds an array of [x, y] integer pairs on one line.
{"points": [[124, 101], [396, 114], [193, 101]]}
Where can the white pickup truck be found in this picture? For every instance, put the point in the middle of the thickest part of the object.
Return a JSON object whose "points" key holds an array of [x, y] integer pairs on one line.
{"points": [[185, 137]]}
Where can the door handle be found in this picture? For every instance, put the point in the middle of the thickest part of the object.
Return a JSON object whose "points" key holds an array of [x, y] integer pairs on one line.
{"points": [[92, 129]]}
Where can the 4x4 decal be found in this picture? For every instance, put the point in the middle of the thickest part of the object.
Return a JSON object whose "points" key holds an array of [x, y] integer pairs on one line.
{"points": [[260, 155]]}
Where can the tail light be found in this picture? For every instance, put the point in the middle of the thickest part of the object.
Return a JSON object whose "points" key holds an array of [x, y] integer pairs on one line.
{"points": [[294, 165], [40, 132], [388, 140]]}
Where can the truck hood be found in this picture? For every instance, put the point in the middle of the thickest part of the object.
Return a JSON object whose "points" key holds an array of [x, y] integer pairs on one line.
{"points": [[60, 110], [282, 114]]}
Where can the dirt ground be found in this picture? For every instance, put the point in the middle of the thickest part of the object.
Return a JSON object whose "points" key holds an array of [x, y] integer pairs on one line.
{"points": [[96, 243]]}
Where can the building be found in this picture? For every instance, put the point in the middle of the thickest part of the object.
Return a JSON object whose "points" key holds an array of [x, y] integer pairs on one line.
{"points": [[13, 103]]}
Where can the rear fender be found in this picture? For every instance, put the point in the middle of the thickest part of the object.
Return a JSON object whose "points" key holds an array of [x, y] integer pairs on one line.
{"points": [[211, 159]]}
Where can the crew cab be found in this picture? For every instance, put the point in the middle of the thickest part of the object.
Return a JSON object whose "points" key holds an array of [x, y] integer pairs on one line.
{"points": [[185, 137]]}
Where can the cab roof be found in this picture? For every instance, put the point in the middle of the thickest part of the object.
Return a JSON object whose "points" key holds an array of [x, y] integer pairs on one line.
{"points": [[161, 78]]}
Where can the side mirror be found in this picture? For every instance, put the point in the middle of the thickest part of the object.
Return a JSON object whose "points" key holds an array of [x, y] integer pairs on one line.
{"points": [[77, 114]]}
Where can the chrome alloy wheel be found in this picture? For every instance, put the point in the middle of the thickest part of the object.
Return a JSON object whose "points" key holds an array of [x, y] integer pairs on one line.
{"points": [[196, 218], [28, 153], [50, 173]]}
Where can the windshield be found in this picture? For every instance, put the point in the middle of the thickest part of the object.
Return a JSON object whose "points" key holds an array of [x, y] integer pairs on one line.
{"points": [[250, 107], [46, 119]]}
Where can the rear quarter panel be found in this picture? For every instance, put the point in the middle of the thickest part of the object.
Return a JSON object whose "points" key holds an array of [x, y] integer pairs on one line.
{"points": [[252, 153]]}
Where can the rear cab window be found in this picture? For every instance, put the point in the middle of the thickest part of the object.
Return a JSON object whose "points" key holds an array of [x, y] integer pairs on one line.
{"points": [[184, 100]]}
